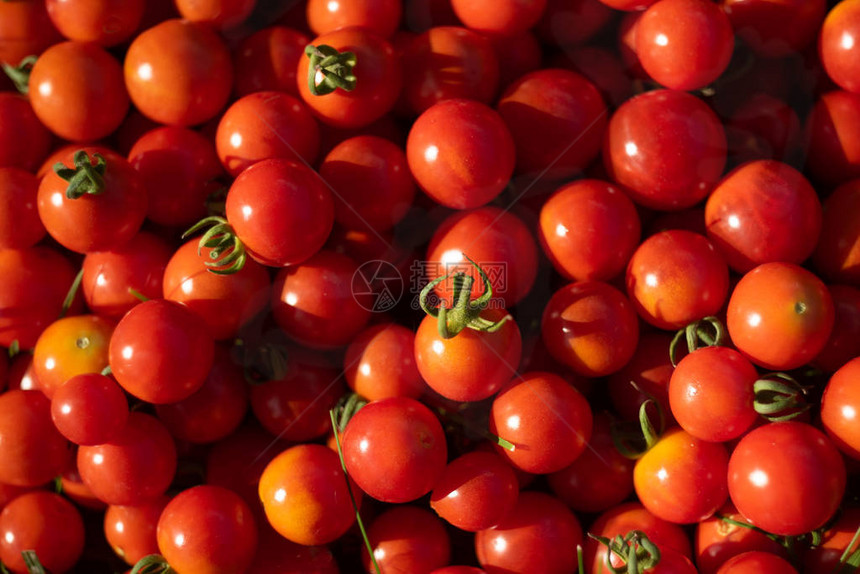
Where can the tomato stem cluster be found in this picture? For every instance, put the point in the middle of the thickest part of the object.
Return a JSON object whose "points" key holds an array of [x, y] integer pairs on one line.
{"points": [[329, 69], [635, 549], [86, 177], [20, 74], [227, 250]]}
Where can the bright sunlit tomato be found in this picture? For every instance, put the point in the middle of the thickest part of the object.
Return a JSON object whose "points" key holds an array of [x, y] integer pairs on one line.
{"points": [[839, 407], [379, 16], [837, 44], [217, 14], [89, 409], [25, 29], [32, 450], [380, 362], [267, 60], [407, 537], [499, 18], [130, 530], [105, 22]]}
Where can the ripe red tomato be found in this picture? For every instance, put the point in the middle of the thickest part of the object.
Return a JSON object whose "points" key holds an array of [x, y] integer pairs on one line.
{"points": [[776, 29], [844, 342], [503, 18], [178, 73], [831, 135], [780, 315], [25, 29], [32, 450], [546, 418], [409, 539], [461, 153], [130, 530], [221, 15], [207, 528], [756, 561], [763, 211], [840, 405], [395, 449], [77, 91], [837, 253], [89, 409], [305, 497], [380, 363], [161, 351], [24, 141], [786, 478], [837, 44], [267, 61], [20, 225], [667, 147], [378, 16], [106, 22]]}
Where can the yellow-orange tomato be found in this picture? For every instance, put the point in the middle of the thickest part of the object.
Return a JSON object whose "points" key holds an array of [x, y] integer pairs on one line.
{"points": [[71, 346], [305, 496]]}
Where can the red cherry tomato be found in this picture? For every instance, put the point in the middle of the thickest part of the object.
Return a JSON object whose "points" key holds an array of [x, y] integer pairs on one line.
{"points": [[32, 451], [837, 253], [786, 478], [776, 29], [378, 16], [407, 538], [89, 409], [380, 363], [756, 561], [837, 44], [567, 23], [107, 22], [503, 18], [24, 141], [840, 405], [267, 61], [25, 29], [20, 225], [217, 14], [130, 530], [831, 135]]}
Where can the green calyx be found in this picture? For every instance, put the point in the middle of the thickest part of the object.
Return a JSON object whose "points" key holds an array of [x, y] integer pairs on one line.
{"points": [[20, 74], [779, 397], [152, 564], [227, 252], [706, 332], [636, 551], [465, 311], [86, 177], [329, 69]]}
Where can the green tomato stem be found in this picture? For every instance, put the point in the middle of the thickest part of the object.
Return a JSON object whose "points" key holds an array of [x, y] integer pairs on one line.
{"points": [[20, 74], [329, 69], [86, 178]]}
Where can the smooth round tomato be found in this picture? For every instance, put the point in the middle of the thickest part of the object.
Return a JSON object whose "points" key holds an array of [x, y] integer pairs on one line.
{"points": [[837, 253], [497, 240], [780, 315], [716, 540], [377, 87], [266, 125], [105, 22], [837, 44], [45, 523], [179, 167], [502, 18], [25, 29], [756, 561], [380, 363], [282, 211], [667, 147], [684, 44], [161, 351], [305, 496], [448, 62], [831, 136], [315, 304], [89, 409], [540, 534], [74, 489], [32, 450], [711, 394], [24, 141], [681, 478], [130, 530], [217, 14], [207, 529], [371, 182], [409, 539], [676, 277], [77, 91], [557, 119], [379, 16], [776, 29], [844, 342], [267, 61], [135, 467], [96, 221], [394, 449], [786, 478], [589, 229], [591, 327], [548, 421], [20, 225], [460, 153], [840, 405], [225, 302], [178, 73], [763, 211]]}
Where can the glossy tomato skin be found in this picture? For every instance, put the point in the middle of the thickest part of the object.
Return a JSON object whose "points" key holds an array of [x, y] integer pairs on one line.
{"points": [[460, 153], [25, 29], [281, 211], [409, 539], [682, 479], [375, 93], [610, 338], [220, 15], [497, 240], [94, 222], [763, 211], [667, 147], [267, 60], [557, 118], [89, 409], [161, 351], [837, 253], [756, 561], [471, 366], [546, 418], [314, 302], [45, 523], [32, 451], [24, 141], [178, 73], [717, 540], [77, 91], [264, 125], [786, 477], [130, 530], [676, 277], [379, 16], [178, 167], [589, 229], [476, 491], [107, 22], [830, 132], [684, 44], [305, 496], [711, 394], [207, 529], [394, 449], [380, 363], [108, 275], [780, 315], [839, 405], [540, 534], [837, 44], [20, 225], [135, 467], [224, 302], [506, 18], [776, 29]]}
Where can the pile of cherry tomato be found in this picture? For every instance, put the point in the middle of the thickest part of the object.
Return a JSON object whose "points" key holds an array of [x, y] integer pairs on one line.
{"points": [[430, 286]]}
